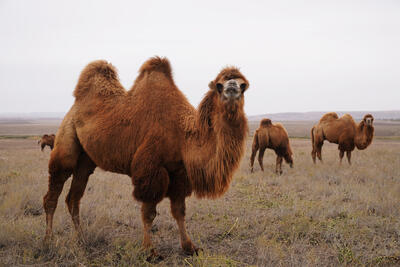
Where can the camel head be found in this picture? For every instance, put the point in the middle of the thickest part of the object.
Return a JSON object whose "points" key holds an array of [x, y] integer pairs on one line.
{"points": [[230, 86], [368, 120]]}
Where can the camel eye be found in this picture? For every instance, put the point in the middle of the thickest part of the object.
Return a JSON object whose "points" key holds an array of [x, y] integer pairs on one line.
{"points": [[219, 87], [243, 87]]}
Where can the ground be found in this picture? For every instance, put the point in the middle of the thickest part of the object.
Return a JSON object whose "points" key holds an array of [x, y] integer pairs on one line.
{"points": [[318, 215]]}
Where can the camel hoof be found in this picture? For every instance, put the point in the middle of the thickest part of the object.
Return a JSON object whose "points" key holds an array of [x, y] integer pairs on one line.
{"points": [[47, 239], [154, 257], [191, 249]]}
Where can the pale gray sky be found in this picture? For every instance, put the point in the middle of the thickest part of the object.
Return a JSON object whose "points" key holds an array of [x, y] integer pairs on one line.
{"points": [[297, 55]]}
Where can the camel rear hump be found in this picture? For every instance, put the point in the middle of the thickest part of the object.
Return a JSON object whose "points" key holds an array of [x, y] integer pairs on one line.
{"points": [[98, 77], [282, 128]]}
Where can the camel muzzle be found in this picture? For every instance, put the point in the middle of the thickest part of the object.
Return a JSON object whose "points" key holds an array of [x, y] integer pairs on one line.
{"points": [[232, 89]]}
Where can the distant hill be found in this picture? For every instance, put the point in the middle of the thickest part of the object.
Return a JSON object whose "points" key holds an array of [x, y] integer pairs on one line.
{"points": [[286, 116], [31, 115], [316, 115]]}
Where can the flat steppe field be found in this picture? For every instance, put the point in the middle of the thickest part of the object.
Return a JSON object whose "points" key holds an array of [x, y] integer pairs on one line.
{"points": [[311, 215]]}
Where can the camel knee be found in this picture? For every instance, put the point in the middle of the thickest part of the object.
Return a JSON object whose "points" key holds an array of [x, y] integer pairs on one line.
{"points": [[260, 160], [49, 204], [72, 202], [178, 210], [149, 213]]}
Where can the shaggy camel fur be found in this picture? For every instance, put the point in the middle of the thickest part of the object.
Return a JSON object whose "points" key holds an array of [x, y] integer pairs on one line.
{"points": [[47, 140], [343, 131], [154, 135], [275, 137]]}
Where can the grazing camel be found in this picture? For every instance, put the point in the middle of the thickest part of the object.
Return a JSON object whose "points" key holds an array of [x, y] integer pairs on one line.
{"points": [[154, 135], [47, 140], [343, 131], [275, 137]]}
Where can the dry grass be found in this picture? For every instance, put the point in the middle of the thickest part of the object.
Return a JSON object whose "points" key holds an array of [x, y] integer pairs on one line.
{"points": [[323, 215]]}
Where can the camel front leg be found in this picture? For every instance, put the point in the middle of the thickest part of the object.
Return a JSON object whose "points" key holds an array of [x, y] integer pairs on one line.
{"points": [[348, 153], [278, 168], [178, 208], [149, 213]]}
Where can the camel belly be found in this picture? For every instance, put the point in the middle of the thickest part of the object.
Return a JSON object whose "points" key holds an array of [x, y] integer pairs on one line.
{"points": [[109, 152]]}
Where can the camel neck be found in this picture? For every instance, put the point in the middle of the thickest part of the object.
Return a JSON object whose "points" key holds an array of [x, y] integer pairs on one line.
{"points": [[213, 153], [364, 136]]}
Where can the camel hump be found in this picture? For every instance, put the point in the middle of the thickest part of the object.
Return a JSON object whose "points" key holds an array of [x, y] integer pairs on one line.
{"points": [[281, 127], [329, 116], [98, 75], [265, 122], [160, 64]]}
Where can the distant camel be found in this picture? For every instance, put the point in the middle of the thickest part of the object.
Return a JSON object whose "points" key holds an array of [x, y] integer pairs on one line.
{"points": [[275, 137], [154, 135], [343, 131], [47, 140]]}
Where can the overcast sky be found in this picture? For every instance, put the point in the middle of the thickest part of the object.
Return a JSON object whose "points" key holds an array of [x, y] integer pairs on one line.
{"points": [[297, 55]]}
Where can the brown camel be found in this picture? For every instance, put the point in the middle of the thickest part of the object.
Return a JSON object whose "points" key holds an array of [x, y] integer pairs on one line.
{"points": [[275, 137], [343, 131], [47, 140], [154, 135]]}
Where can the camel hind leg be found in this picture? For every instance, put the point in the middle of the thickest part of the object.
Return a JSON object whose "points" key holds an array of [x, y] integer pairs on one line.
{"points": [[81, 173], [319, 152], [348, 154], [56, 184], [260, 158], [278, 168], [63, 160], [317, 143], [254, 150]]}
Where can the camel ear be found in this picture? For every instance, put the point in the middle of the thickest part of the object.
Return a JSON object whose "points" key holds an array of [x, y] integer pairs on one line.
{"points": [[218, 87], [211, 85]]}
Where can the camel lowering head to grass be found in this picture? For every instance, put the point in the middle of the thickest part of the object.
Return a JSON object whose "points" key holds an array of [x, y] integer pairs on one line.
{"points": [[47, 140], [342, 131], [154, 135], [275, 137]]}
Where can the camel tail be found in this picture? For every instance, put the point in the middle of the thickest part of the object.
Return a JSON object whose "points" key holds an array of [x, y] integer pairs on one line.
{"points": [[255, 146], [312, 136], [99, 76], [160, 64]]}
